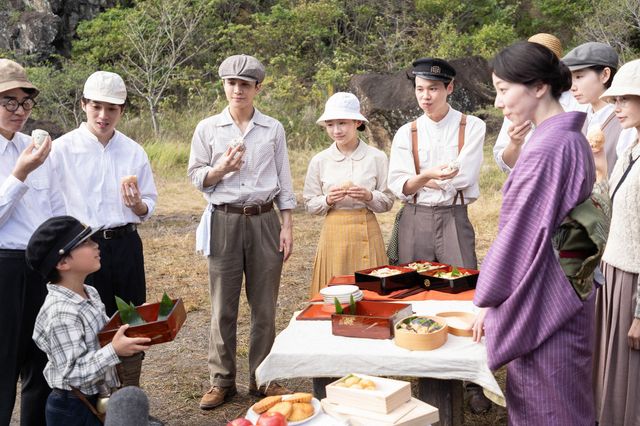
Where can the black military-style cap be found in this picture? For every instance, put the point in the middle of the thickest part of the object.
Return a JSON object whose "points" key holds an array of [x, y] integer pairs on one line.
{"points": [[433, 69], [53, 240]]}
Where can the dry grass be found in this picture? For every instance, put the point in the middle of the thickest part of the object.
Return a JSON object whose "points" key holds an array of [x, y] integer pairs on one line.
{"points": [[175, 374]]}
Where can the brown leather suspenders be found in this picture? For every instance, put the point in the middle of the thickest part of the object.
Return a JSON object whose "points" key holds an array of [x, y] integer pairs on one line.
{"points": [[416, 158]]}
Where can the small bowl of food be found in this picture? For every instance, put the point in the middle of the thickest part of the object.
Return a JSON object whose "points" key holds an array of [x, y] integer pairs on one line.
{"points": [[421, 332]]}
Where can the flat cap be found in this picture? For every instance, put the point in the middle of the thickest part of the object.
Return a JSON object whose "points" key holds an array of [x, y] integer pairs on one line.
{"points": [[244, 67], [433, 69], [590, 54], [53, 240]]}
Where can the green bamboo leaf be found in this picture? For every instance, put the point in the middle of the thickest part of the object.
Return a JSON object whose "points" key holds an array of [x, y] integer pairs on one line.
{"points": [[352, 305], [455, 272], [166, 304], [338, 306], [128, 313]]}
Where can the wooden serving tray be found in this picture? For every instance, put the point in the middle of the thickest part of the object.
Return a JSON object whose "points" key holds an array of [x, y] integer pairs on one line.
{"points": [[373, 320], [158, 331], [385, 285]]}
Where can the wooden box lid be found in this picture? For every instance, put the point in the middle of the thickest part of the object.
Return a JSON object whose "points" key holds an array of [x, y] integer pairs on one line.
{"points": [[388, 395]]}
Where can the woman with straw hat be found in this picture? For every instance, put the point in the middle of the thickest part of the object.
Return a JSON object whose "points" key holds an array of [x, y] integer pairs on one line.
{"points": [[617, 355], [347, 182]]}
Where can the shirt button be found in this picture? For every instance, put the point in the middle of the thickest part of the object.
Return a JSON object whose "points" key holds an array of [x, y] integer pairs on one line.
{"points": [[242, 184]]}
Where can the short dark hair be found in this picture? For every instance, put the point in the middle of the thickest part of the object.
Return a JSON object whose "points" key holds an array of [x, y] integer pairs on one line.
{"points": [[599, 69], [531, 63], [122, 106], [54, 276], [412, 77]]}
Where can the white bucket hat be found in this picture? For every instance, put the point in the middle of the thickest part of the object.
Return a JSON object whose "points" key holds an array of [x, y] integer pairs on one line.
{"points": [[104, 86], [342, 105], [626, 82]]}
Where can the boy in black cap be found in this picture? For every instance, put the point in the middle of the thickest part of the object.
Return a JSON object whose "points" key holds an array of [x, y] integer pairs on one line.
{"points": [[67, 327]]}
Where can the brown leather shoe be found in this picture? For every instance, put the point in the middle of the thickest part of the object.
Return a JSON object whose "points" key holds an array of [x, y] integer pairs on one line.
{"points": [[273, 389], [217, 396]]}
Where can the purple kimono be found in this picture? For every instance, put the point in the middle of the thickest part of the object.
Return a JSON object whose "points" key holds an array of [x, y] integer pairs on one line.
{"points": [[536, 323]]}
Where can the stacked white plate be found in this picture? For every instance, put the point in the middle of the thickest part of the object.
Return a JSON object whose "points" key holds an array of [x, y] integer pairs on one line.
{"points": [[342, 293]]}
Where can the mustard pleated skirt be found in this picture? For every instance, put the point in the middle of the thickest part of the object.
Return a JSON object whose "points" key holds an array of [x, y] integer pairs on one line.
{"points": [[350, 240]]}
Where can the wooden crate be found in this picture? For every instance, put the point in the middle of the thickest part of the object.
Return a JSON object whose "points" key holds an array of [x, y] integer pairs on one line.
{"points": [[158, 331], [388, 395]]}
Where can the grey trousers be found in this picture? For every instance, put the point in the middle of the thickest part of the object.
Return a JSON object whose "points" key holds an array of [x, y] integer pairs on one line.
{"points": [[438, 234], [242, 246]]}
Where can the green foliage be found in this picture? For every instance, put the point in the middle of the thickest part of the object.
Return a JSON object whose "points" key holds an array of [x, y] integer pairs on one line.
{"points": [[60, 92], [166, 305], [101, 40], [128, 313]]}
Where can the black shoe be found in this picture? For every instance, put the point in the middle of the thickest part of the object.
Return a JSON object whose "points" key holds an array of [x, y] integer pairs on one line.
{"points": [[478, 403]]}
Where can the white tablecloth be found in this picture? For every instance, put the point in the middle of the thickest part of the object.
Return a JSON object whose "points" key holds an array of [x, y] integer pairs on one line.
{"points": [[308, 349]]}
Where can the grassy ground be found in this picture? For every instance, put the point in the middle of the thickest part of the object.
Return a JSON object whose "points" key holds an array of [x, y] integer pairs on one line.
{"points": [[175, 374]]}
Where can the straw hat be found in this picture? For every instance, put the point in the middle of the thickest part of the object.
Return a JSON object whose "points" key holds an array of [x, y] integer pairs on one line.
{"points": [[13, 76], [626, 82], [342, 105], [549, 41]]}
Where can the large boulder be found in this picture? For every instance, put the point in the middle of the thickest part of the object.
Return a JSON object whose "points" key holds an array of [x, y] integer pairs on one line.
{"points": [[45, 27], [388, 100]]}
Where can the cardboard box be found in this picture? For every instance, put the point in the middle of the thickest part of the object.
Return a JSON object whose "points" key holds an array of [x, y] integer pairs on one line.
{"points": [[158, 331], [388, 395], [412, 413], [372, 320]]}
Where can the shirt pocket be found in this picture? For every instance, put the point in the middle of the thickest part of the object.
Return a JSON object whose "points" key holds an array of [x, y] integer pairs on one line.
{"points": [[39, 194]]}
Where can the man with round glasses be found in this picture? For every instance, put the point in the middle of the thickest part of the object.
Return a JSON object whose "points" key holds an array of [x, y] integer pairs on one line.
{"points": [[29, 195]]}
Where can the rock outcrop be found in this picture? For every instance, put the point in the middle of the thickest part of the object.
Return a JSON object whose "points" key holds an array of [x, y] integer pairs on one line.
{"points": [[388, 100], [45, 27]]}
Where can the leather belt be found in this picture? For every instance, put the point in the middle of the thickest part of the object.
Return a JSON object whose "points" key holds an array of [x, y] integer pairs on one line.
{"points": [[118, 232], [247, 210]]}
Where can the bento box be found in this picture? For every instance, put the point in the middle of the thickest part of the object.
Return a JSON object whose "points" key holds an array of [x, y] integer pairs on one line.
{"points": [[387, 278], [421, 332], [158, 331], [451, 279], [379, 394], [423, 266], [372, 320]]}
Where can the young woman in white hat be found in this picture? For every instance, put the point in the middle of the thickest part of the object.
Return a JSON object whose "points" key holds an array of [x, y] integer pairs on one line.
{"points": [[347, 182], [617, 355]]}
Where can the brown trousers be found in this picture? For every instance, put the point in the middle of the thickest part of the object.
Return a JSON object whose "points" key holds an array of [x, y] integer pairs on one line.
{"points": [[242, 246], [438, 234]]}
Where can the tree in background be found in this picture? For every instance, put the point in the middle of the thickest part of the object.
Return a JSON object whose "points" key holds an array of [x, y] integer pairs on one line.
{"points": [[616, 22]]}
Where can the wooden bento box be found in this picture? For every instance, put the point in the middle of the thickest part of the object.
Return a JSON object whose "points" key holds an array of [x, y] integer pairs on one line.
{"points": [[372, 320], [424, 266], [158, 331], [434, 280], [421, 341], [386, 396], [406, 278]]}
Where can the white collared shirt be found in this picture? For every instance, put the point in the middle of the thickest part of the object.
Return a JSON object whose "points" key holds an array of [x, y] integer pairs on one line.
{"points": [[568, 103], [366, 167], [438, 145], [90, 176], [24, 205], [264, 175]]}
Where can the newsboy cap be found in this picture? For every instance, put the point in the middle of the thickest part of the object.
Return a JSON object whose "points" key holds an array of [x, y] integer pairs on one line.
{"points": [[244, 67], [53, 240], [13, 76], [590, 54], [433, 69]]}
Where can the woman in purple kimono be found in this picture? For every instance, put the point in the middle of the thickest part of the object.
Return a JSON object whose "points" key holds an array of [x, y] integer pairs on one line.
{"points": [[536, 324]]}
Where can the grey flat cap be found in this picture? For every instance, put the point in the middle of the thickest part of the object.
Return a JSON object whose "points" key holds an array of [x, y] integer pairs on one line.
{"points": [[244, 67], [590, 54]]}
